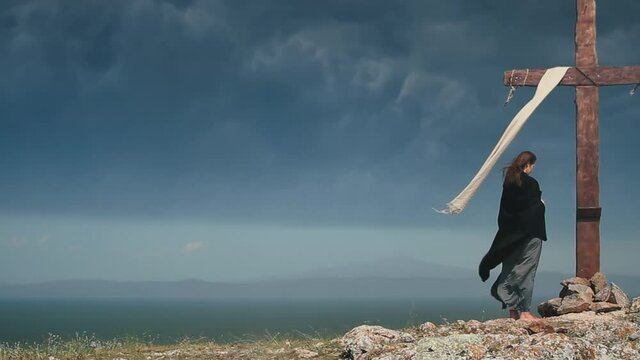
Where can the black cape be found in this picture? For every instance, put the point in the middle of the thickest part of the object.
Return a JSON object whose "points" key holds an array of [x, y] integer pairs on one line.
{"points": [[521, 218]]}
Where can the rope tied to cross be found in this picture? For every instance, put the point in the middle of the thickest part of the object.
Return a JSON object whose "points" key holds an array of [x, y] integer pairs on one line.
{"points": [[512, 88]]}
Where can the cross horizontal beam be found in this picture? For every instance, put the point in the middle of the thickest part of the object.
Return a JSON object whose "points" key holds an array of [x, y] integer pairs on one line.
{"points": [[599, 76]]}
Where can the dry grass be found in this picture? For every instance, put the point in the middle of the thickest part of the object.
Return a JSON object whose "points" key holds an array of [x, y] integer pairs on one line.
{"points": [[271, 346]]}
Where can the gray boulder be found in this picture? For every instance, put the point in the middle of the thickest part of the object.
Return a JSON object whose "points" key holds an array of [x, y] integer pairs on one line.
{"points": [[603, 295], [367, 338], [575, 281], [575, 303], [619, 296], [428, 327], [598, 282], [549, 307], [576, 289], [635, 305], [602, 307]]}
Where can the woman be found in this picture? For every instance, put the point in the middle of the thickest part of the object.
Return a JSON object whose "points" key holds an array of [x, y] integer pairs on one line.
{"points": [[518, 243]]}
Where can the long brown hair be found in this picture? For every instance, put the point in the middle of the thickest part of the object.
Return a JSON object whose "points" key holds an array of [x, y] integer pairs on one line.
{"points": [[513, 172]]}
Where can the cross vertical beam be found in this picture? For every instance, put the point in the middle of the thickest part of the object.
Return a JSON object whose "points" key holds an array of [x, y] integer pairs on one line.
{"points": [[587, 146]]}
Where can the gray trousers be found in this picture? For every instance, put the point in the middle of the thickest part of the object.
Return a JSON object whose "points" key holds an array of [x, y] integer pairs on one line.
{"points": [[514, 286]]}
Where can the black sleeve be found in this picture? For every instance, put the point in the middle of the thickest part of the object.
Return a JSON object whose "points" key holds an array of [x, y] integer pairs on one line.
{"points": [[532, 192]]}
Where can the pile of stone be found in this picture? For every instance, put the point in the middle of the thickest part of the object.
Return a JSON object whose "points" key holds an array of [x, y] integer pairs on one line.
{"points": [[580, 294], [586, 335]]}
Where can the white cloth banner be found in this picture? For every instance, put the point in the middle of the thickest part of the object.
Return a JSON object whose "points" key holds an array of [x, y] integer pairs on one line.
{"points": [[549, 81]]}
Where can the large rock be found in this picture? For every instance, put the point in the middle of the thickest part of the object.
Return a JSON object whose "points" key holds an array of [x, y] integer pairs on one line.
{"points": [[550, 307], [614, 294], [603, 295], [598, 282], [602, 307], [619, 296], [367, 338], [572, 289], [575, 303], [428, 327], [635, 305], [575, 281]]}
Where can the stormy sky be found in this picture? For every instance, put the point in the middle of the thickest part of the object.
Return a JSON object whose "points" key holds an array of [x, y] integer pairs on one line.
{"points": [[231, 140]]}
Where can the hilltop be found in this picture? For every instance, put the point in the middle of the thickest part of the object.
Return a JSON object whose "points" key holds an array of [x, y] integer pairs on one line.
{"points": [[614, 335]]}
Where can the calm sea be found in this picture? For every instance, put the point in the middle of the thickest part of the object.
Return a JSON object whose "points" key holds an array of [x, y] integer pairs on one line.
{"points": [[166, 321]]}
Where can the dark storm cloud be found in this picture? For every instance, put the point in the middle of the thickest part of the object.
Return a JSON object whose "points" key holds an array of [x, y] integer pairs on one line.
{"points": [[279, 110]]}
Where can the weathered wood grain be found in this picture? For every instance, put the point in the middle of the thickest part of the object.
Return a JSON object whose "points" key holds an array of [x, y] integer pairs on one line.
{"points": [[587, 182], [600, 76], [587, 140]]}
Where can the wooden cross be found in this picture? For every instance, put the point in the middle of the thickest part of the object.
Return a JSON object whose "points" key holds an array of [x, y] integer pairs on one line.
{"points": [[586, 76]]}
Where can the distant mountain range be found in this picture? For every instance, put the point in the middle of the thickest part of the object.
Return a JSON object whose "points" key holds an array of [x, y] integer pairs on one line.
{"points": [[385, 278], [396, 267]]}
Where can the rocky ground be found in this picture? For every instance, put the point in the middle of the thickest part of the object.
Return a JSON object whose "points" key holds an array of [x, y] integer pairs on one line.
{"points": [[586, 335]]}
